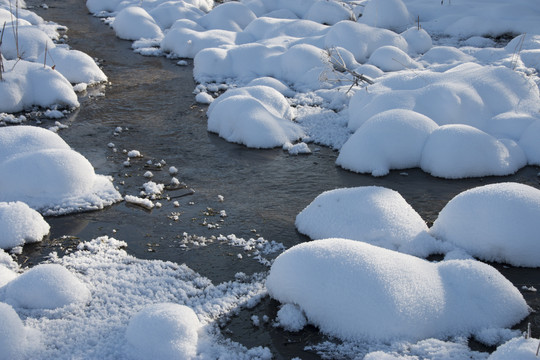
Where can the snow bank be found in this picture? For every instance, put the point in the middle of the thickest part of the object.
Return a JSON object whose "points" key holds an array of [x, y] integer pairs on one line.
{"points": [[164, 331], [497, 222], [370, 214], [20, 224], [31, 43], [257, 116], [42, 171], [393, 139], [357, 291], [46, 286]]}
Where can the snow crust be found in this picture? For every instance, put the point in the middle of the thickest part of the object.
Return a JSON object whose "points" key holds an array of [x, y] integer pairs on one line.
{"points": [[41, 170], [355, 290]]}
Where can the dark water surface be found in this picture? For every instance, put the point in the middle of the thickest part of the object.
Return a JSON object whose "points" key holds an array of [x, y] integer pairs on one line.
{"points": [[264, 190]]}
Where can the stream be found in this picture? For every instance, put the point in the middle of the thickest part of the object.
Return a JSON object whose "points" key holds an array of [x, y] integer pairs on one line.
{"points": [[263, 190]]}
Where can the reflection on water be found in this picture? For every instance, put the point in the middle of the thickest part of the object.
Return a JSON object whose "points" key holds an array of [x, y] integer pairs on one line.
{"points": [[263, 190]]}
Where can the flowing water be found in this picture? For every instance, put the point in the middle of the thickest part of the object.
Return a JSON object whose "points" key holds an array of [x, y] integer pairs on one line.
{"points": [[263, 190]]}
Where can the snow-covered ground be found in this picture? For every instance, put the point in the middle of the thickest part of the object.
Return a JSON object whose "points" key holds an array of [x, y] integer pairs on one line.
{"points": [[391, 84]]}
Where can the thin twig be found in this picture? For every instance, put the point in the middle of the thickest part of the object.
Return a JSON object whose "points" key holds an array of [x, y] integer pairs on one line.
{"points": [[1, 59]]}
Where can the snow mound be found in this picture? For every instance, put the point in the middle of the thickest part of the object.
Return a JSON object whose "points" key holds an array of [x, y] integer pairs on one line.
{"points": [[20, 224], [167, 13], [26, 84], [497, 222], [460, 151], [388, 14], [419, 40], [164, 331], [31, 43], [345, 34], [13, 335], [391, 58], [357, 291], [291, 318], [517, 348], [76, 66], [187, 43], [393, 139], [49, 176], [468, 94], [328, 12], [134, 23], [530, 144], [370, 214], [231, 16], [257, 116], [46, 286], [6, 275]]}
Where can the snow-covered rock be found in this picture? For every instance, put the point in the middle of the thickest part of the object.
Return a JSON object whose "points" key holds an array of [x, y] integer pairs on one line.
{"points": [[497, 222], [517, 348], [388, 14], [358, 291]]}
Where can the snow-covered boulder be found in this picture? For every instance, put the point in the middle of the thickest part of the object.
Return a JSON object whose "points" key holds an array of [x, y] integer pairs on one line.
{"points": [[370, 214], [393, 139], [76, 66], [26, 84], [134, 23], [20, 224], [460, 151], [257, 116], [164, 331], [497, 222], [41, 170], [46, 286], [356, 291], [97, 6]]}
